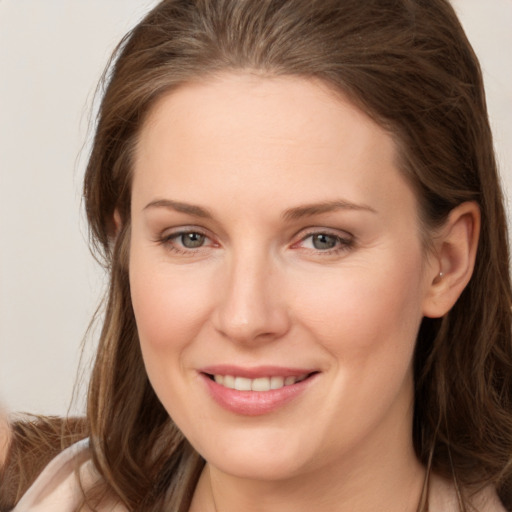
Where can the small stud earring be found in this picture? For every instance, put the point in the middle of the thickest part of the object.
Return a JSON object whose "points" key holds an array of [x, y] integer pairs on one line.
{"points": [[441, 275]]}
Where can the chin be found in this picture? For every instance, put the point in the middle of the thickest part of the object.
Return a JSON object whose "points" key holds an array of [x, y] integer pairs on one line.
{"points": [[270, 458], [259, 468]]}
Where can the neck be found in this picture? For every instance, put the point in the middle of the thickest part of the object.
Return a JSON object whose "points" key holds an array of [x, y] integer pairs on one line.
{"points": [[390, 482]]}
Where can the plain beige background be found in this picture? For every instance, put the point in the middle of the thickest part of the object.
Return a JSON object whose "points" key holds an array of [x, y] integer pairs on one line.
{"points": [[52, 53]]}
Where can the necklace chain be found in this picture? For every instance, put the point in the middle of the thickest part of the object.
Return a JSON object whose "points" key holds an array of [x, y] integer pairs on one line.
{"points": [[423, 505], [211, 489]]}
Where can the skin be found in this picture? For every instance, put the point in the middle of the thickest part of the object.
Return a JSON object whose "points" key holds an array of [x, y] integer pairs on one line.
{"points": [[5, 436], [259, 290]]}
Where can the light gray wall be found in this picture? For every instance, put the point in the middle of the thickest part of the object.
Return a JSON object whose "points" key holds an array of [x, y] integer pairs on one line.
{"points": [[51, 55]]}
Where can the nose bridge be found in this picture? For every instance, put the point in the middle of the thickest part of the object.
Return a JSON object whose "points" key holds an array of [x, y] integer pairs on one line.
{"points": [[250, 305]]}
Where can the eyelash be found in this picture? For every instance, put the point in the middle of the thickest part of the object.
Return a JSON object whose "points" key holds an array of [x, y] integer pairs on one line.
{"points": [[342, 243], [169, 242]]}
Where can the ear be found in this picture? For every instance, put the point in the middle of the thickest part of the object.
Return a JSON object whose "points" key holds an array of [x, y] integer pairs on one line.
{"points": [[452, 260], [118, 223]]}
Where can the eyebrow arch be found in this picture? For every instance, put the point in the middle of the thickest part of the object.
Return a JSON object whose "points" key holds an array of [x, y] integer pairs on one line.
{"points": [[326, 207], [177, 206]]}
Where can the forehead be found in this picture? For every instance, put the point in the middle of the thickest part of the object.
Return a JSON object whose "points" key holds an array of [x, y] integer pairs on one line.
{"points": [[255, 136], [286, 108]]}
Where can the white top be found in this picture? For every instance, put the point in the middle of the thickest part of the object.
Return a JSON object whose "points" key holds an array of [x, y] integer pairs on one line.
{"points": [[57, 489]]}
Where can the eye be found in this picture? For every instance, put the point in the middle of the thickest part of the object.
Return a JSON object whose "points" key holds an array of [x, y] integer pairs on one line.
{"points": [[185, 241], [191, 240], [325, 242]]}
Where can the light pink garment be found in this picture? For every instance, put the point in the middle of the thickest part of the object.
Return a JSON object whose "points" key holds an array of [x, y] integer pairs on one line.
{"points": [[57, 488]]}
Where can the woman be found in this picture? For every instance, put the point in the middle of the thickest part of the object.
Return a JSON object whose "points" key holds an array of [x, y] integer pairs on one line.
{"points": [[299, 207]]}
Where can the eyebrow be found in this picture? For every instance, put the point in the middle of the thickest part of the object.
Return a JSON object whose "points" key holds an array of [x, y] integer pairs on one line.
{"points": [[325, 207], [190, 209], [295, 213]]}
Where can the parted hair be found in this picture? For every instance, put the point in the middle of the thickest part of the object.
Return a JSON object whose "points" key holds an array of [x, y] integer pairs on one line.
{"points": [[409, 66]]}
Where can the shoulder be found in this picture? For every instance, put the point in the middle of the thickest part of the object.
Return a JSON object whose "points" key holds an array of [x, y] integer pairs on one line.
{"points": [[486, 500], [30, 443], [57, 487], [60, 486], [444, 497]]}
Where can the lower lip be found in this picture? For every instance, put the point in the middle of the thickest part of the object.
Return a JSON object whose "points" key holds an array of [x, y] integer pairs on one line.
{"points": [[255, 403]]}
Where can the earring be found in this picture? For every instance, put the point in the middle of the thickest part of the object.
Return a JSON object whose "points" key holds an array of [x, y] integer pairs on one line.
{"points": [[441, 275]]}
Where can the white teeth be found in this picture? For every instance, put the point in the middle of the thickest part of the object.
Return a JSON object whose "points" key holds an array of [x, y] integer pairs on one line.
{"points": [[242, 384], [276, 382], [229, 381], [259, 384]]}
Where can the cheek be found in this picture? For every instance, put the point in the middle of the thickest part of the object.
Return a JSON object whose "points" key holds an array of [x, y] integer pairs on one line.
{"points": [[361, 309], [367, 319], [170, 309], [169, 306]]}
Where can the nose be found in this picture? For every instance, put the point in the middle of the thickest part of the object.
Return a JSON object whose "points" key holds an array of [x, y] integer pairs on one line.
{"points": [[251, 305]]}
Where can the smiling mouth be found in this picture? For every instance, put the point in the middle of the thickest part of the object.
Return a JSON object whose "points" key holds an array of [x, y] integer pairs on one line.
{"points": [[260, 384]]}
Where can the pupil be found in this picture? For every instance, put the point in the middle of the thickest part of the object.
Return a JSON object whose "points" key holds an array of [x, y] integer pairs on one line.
{"points": [[323, 241], [192, 240]]}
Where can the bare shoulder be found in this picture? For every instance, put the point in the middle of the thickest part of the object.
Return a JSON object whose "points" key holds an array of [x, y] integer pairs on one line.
{"points": [[444, 497]]}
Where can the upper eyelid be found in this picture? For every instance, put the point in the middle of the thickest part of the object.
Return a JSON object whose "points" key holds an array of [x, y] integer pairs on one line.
{"points": [[310, 231], [344, 241], [340, 239], [181, 230], [168, 237]]}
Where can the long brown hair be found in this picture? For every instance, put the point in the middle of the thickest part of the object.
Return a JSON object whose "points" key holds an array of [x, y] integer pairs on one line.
{"points": [[33, 441], [407, 64]]}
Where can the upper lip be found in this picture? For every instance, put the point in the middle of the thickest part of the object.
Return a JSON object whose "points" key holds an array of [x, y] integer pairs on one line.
{"points": [[255, 372]]}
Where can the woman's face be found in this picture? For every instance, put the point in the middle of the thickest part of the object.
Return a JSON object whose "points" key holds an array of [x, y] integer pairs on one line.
{"points": [[277, 275]]}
